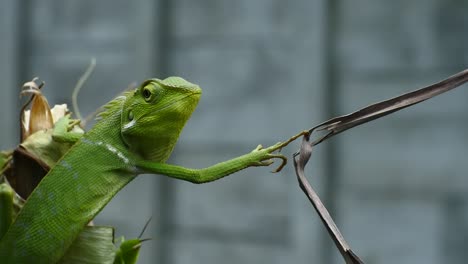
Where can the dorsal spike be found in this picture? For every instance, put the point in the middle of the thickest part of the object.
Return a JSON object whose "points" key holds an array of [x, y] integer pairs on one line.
{"points": [[113, 105]]}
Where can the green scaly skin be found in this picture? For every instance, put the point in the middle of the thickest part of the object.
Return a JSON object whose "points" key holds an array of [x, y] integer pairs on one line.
{"points": [[136, 134]]}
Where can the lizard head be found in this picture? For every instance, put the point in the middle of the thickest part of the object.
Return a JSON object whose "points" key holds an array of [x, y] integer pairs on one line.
{"points": [[155, 113]]}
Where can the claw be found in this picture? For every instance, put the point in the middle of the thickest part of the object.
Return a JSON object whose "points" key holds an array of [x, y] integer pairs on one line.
{"points": [[277, 147], [259, 147], [262, 163], [284, 161], [280, 145], [73, 123], [267, 162]]}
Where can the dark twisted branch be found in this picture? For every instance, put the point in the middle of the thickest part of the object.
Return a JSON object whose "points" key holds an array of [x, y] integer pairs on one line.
{"points": [[342, 123]]}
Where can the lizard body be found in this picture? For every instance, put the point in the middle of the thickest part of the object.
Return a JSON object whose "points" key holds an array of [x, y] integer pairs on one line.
{"points": [[136, 134]]}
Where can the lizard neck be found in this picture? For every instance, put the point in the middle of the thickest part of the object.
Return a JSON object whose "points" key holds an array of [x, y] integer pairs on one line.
{"points": [[108, 130]]}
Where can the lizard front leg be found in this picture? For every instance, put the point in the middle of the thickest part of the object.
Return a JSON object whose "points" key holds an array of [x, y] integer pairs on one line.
{"points": [[258, 157]]}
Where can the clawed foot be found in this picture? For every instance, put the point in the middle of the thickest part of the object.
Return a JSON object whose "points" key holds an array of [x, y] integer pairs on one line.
{"points": [[72, 123], [267, 156]]}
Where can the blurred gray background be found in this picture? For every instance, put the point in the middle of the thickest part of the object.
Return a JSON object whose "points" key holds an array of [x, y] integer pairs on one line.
{"points": [[270, 68]]}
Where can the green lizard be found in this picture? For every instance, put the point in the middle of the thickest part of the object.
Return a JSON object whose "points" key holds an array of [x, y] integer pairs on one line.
{"points": [[135, 134]]}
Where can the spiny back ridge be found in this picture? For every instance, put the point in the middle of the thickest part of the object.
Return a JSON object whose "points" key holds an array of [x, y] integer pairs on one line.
{"points": [[113, 105]]}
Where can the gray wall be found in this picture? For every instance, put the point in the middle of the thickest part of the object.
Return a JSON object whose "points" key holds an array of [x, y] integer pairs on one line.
{"points": [[269, 68]]}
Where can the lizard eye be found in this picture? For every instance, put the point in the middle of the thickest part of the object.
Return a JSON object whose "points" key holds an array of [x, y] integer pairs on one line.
{"points": [[146, 94], [151, 92]]}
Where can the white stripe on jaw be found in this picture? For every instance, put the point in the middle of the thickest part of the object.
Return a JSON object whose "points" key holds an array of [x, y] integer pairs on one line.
{"points": [[129, 124]]}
